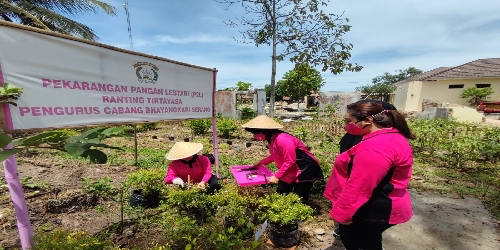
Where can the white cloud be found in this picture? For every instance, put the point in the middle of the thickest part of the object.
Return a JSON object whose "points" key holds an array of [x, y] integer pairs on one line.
{"points": [[387, 35], [201, 38]]}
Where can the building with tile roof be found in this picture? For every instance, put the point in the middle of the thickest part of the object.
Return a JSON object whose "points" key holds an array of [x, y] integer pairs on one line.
{"points": [[445, 84]]}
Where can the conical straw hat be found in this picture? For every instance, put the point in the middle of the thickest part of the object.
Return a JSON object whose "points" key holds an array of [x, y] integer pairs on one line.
{"points": [[182, 150], [262, 122]]}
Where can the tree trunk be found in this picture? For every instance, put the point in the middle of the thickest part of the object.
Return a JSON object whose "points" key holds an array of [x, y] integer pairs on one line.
{"points": [[273, 59]]}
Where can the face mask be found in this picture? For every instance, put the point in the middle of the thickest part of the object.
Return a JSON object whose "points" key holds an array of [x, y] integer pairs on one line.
{"points": [[259, 137], [353, 129]]}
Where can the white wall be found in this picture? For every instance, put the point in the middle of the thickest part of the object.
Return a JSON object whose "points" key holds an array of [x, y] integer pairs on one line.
{"points": [[407, 96]]}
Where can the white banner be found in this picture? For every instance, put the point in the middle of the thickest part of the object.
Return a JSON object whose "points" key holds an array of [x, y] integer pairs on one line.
{"points": [[71, 83]]}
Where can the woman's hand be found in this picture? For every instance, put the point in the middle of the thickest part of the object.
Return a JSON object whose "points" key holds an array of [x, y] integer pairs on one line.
{"points": [[257, 164], [201, 185], [178, 181], [273, 180]]}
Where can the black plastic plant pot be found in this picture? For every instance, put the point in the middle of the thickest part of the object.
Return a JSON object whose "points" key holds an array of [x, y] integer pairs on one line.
{"points": [[186, 139], [150, 200], [171, 138], [248, 144], [154, 137], [284, 235], [196, 213], [229, 143]]}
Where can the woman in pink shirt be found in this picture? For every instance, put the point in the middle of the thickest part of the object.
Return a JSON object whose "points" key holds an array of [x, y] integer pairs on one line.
{"points": [[297, 166], [187, 166], [372, 195]]}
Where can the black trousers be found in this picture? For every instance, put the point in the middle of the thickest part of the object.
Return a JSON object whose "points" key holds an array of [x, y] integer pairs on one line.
{"points": [[363, 235], [302, 189]]}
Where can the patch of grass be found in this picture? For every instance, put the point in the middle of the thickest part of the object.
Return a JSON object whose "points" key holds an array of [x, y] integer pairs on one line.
{"points": [[149, 158]]}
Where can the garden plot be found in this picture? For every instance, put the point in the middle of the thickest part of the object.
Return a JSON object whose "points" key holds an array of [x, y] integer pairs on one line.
{"points": [[61, 190]]}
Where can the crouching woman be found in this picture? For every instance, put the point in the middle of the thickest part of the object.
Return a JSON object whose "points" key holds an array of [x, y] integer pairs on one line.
{"points": [[188, 166]]}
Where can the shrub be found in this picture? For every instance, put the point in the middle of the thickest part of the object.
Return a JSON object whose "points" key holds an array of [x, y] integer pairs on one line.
{"points": [[149, 180], [187, 198], [235, 209], [247, 113], [199, 127], [491, 145], [143, 127], [285, 210], [302, 133], [475, 95], [226, 127], [62, 240]]}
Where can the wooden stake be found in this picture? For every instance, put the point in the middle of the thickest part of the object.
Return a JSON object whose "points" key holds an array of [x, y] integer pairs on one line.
{"points": [[135, 145]]}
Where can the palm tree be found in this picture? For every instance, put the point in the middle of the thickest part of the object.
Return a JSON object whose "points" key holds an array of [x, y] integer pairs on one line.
{"points": [[50, 14]]}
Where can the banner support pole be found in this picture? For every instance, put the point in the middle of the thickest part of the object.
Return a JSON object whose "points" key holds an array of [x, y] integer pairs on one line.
{"points": [[135, 145], [15, 187], [214, 127]]}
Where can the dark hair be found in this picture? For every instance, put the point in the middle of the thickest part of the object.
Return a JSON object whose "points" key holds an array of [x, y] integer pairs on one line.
{"points": [[381, 116], [385, 105], [268, 132]]}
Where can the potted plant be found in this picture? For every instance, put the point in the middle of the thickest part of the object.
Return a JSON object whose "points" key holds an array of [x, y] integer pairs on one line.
{"points": [[186, 139], [171, 137], [284, 212], [146, 186], [229, 143]]}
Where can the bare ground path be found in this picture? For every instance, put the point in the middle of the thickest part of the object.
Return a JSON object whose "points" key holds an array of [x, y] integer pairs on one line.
{"points": [[440, 223]]}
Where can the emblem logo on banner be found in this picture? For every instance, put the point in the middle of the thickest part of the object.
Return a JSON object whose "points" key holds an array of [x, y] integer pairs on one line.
{"points": [[146, 72]]}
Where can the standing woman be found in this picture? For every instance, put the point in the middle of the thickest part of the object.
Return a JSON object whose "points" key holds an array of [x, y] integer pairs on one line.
{"points": [[348, 141], [297, 166], [374, 195]]}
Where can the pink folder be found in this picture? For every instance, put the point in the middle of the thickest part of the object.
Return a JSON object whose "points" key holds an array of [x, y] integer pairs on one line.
{"points": [[258, 179]]}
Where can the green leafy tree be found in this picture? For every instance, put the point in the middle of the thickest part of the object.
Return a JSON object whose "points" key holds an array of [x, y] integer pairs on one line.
{"points": [[401, 74], [229, 89], [243, 86], [240, 86], [383, 85], [305, 33], [51, 14], [475, 95], [377, 89], [278, 91], [301, 81]]}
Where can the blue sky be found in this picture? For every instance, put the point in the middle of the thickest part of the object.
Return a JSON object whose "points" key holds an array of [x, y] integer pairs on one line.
{"points": [[387, 35]]}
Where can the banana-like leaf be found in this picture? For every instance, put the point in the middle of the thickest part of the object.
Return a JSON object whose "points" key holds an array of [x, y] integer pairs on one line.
{"points": [[96, 156], [5, 139], [76, 148], [35, 140], [8, 153], [89, 134], [100, 145]]}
